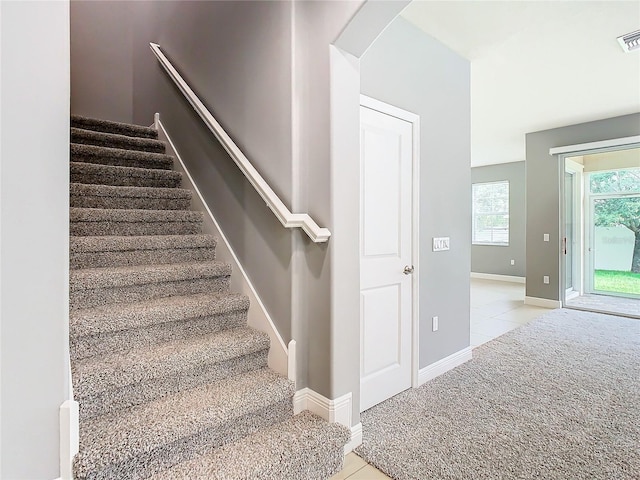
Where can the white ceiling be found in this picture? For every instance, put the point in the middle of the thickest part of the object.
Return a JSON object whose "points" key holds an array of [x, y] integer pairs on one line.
{"points": [[536, 65]]}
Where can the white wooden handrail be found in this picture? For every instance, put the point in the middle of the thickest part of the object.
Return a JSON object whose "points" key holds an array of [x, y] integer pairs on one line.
{"points": [[288, 219]]}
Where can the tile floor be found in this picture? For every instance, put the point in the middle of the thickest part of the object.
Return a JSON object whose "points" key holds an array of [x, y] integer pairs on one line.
{"points": [[496, 308], [356, 468]]}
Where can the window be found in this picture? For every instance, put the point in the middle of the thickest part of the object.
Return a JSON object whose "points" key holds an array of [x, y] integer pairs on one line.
{"points": [[490, 213], [615, 181]]}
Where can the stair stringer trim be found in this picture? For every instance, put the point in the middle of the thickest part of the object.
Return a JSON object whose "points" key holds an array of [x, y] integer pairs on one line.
{"points": [[257, 316], [69, 437]]}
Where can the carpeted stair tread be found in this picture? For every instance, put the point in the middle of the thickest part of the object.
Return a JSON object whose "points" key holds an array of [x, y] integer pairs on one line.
{"points": [[119, 157], [90, 137], [108, 126], [95, 375], [101, 222], [109, 277], [145, 242], [112, 251], [303, 447], [139, 441], [92, 287], [104, 319], [124, 379], [132, 216], [124, 197], [124, 327], [126, 176], [164, 365]]}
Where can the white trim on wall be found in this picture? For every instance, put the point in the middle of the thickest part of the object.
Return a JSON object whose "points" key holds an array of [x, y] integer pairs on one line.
{"points": [[542, 302], [334, 411], [498, 278], [583, 147], [444, 365], [258, 317]]}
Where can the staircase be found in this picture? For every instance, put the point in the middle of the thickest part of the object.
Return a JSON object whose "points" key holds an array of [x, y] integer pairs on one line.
{"points": [[171, 381]]}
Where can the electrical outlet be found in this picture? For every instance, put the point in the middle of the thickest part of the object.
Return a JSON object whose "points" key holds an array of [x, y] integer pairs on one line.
{"points": [[513, 262], [545, 279], [434, 324]]}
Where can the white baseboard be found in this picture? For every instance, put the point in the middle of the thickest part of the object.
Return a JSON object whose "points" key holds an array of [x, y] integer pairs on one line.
{"points": [[356, 439], [442, 366], [498, 278], [337, 410], [69, 437], [257, 317], [542, 302]]}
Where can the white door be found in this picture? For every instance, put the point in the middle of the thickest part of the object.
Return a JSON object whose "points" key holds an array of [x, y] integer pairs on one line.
{"points": [[386, 161]]}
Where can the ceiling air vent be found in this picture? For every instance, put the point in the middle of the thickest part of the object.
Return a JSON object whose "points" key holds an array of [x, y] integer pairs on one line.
{"points": [[630, 41]]}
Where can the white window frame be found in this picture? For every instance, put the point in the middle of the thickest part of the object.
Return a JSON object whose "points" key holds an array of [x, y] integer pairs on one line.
{"points": [[474, 214]]}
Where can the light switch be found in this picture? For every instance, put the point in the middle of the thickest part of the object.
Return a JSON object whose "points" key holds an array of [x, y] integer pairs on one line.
{"points": [[440, 244], [546, 237]]}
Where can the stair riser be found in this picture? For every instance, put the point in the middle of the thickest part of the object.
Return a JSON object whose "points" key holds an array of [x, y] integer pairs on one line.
{"points": [[113, 142], [134, 228], [152, 180], [140, 257], [142, 203], [156, 388], [232, 429], [130, 339], [135, 293]]}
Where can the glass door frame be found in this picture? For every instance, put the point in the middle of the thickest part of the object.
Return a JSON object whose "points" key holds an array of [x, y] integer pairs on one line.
{"points": [[576, 263], [562, 153]]}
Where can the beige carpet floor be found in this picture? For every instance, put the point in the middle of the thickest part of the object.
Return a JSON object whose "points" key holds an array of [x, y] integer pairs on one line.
{"points": [[556, 399]]}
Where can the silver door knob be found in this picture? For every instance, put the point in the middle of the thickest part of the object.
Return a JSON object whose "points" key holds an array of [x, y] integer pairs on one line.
{"points": [[408, 270]]}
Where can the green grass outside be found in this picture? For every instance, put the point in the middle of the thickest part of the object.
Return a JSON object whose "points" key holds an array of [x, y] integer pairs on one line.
{"points": [[616, 281]]}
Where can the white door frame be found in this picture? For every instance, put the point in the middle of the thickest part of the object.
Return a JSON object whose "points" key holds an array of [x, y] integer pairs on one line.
{"points": [[578, 228], [414, 119]]}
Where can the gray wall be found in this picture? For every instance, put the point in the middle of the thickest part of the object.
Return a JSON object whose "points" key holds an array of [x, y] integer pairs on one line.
{"points": [[245, 80], [497, 259], [544, 174], [35, 235], [317, 24], [411, 70], [102, 66]]}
